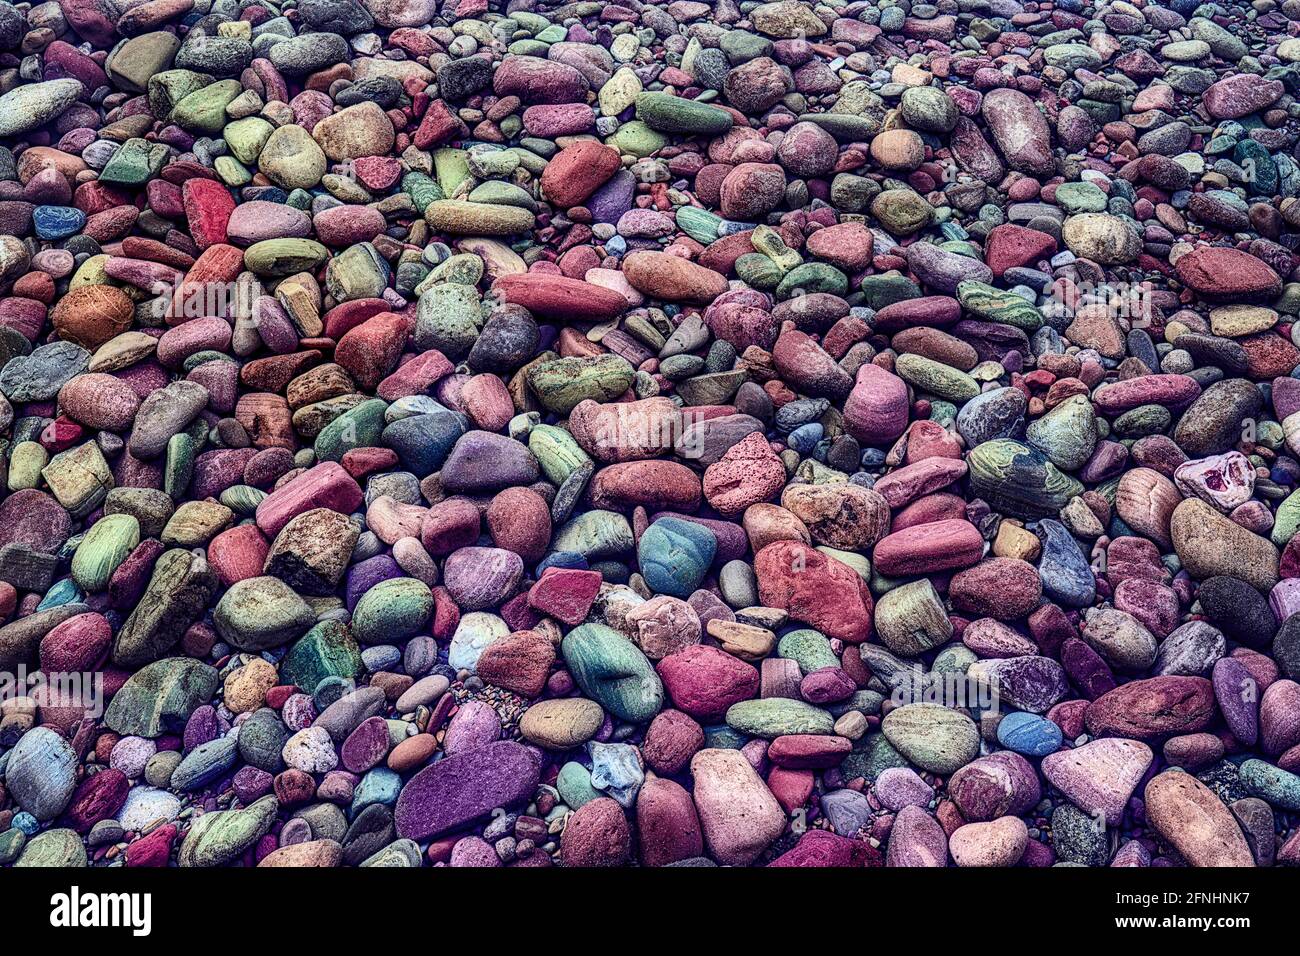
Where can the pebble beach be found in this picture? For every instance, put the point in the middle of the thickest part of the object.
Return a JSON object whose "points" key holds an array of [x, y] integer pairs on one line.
{"points": [[462, 433]]}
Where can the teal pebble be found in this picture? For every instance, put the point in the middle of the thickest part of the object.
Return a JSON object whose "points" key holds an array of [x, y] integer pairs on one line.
{"points": [[64, 592], [1279, 787], [613, 671], [574, 785], [205, 763], [675, 555], [380, 785], [810, 649]]}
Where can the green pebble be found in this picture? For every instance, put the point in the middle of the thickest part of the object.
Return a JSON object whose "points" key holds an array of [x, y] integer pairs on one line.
{"points": [[451, 168], [1080, 197], [1067, 434], [557, 452], [1143, 420], [887, 288], [135, 163], [205, 110], [422, 190], [813, 277], [637, 139], [242, 499], [774, 717], [999, 305], [220, 836], [874, 756], [596, 534], [278, 258], [700, 224], [358, 427], [178, 467], [1019, 480], [256, 614], [676, 114], [902, 212], [614, 672], [936, 378], [12, 842], [160, 697], [1287, 520], [503, 194], [574, 785], [25, 464], [168, 88], [358, 272], [392, 611], [60, 848], [327, 650], [101, 552], [810, 649], [246, 137], [560, 384], [932, 736], [757, 270]]}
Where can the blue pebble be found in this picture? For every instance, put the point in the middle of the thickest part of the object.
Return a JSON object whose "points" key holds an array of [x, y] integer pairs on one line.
{"points": [[423, 442], [331, 689], [264, 193], [674, 555], [26, 822], [1118, 528], [381, 657], [1067, 575], [63, 592], [562, 559], [57, 222], [616, 245], [1029, 734], [380, 785], [872, 458], [1023, 275], [805, 438]]}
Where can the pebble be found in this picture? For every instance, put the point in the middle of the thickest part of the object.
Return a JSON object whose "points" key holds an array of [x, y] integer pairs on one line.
{"points": [[561, 724], [994, 786], [1099, 776], [739, 817], [932, 737], [40, 773], [548, 436], [1000, 842], [1190, 816], [917, 840], [459, 790]]}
